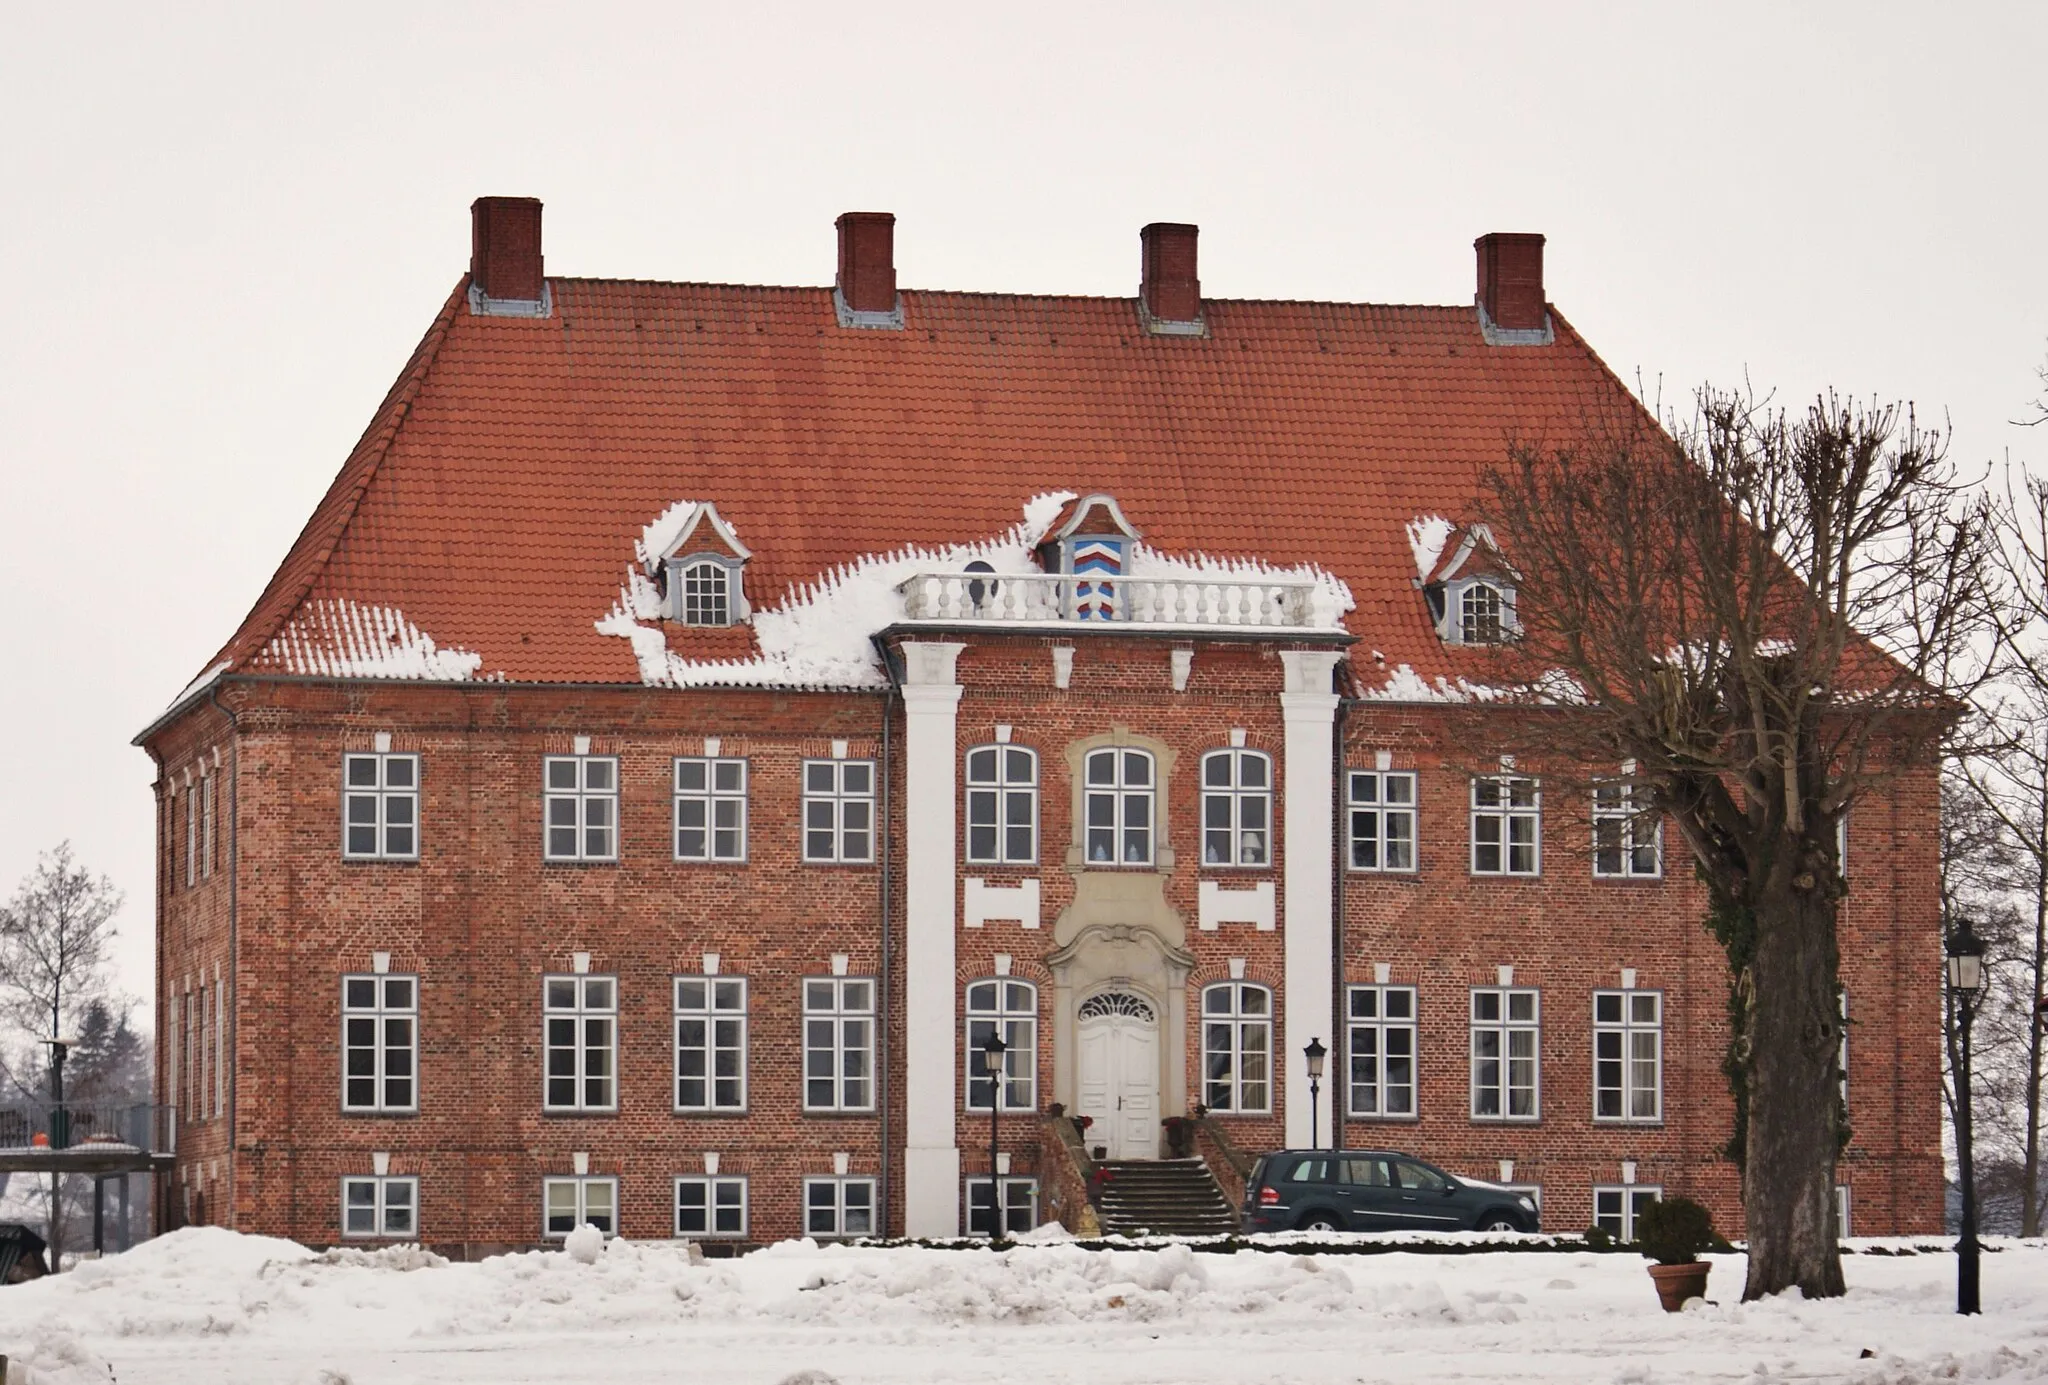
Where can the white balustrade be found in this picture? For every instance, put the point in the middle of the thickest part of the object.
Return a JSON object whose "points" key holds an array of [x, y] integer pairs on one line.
{"points": [[977, 597]]}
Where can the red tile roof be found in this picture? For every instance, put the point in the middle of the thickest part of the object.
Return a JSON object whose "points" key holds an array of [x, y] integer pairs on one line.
{"points": [[494, 501]]}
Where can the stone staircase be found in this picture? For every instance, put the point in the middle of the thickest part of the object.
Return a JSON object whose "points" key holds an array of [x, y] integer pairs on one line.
{"points": [[1162, 1197]]}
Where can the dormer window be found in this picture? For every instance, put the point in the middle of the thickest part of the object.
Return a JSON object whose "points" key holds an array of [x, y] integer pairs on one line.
{"points": [[1090, 545], [1471, 592], [706, 593], [1481, 615], [700, 565]]}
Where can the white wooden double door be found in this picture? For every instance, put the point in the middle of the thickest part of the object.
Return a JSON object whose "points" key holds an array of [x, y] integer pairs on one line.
{"points": [[1117, 1043]]}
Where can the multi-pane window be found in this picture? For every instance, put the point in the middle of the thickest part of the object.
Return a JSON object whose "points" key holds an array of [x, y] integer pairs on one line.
{"points": [[1507, 817], [711, 1043], [1237, 808], [1616, 1208], [191, 836], [1628, 1055], [839, 1206], [1002, 805], [1012, 1008], [380, 1206], [1382, 1040], [1237, 1047], [205, 1050], [568, 1203], [839, 1043], [209, 799], [839, 810], [1381, 804], [711, 809], [220, 1048], [711, 1206], [380, 807], [1504, 1054], [1482, 615], [1020, 1206], [707, 594], [1627, 836], [582, 1032], [380, 1043], [582, 805], [192, 1036], [1117, 808]]}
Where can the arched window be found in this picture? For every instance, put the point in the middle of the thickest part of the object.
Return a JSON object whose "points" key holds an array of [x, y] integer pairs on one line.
{"points": [[1482, 615], [1002, 805], [707, 593], [1237, 808], [1237, 1048], [1119, 807], [1012, 1005]]}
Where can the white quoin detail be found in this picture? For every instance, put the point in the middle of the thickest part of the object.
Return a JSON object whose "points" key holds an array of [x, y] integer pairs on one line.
{"points": [[985, 903], [1308, 708], [931, 1159], [1251, 904]]}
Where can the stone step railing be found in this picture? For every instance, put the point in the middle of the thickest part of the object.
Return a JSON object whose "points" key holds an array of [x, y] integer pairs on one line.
{"points": [[1271, 604], [1066, 1175]]}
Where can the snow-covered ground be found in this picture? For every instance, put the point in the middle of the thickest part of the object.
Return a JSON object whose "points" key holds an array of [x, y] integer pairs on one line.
{"points": [[208, 1305]]}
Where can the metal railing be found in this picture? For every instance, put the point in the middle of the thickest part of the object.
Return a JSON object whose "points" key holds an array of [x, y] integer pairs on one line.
{"points": [[39, 1124], [1227, 602]]}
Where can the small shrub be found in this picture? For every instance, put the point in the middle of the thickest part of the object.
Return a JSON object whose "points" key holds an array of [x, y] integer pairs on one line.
{"points": [[1599, 1238], [1674, 1231]]}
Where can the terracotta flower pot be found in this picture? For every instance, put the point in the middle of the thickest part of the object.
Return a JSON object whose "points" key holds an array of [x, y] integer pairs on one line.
{"points": [[1677, 1283]]}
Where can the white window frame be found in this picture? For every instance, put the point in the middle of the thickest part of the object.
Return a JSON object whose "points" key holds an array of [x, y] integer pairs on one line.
{"points": [[1020, 1195], [705, 607], [379, 1013], [1384, 1028], [1503, 1028], [722, 1017], [1120, 801], [1503, 815], [220, 1047], [723, 809], [1002, 804], [202, 1096], [1246, 844], [391, 809], [1842, 1209], [580, 1001], [843, 817], [1468, 616], [1615, 814], [712, 1187], [381, 1205], [1223, 1035], [839, 1207], [191, 835], [209, 791], [835, 1009], [1621, 1031], [589, 810], [1014, 1005], [583, 1183], [1629, 1199], [1372, 811]]}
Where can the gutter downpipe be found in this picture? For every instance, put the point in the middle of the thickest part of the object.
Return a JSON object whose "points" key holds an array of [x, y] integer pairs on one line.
{"points": [[887, 986], [234, 927], [159, 1183]]}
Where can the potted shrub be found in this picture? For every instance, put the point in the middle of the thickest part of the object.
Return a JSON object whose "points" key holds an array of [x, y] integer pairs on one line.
{"points": [[1673, 1232]]}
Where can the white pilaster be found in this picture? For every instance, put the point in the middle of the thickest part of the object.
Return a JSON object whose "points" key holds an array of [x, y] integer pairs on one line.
{"points": [[1309, 709], [931, 1158]]}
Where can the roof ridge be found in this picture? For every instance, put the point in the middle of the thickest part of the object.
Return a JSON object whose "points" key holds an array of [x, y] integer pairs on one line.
{"points": [[1000, 293], [287, 589]]}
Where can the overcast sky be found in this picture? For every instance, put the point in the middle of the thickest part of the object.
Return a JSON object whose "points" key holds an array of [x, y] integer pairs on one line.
{"points": [[224, 228]]}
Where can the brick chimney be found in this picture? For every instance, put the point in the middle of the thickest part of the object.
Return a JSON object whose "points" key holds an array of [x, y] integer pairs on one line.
{"points": [[504, 248], [867, 261], [1511, 280], [1171, 292]]}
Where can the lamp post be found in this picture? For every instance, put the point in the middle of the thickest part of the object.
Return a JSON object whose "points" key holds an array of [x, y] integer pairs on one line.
{"points": [[1966, 983], [1315, 1053], [992, 1050]]}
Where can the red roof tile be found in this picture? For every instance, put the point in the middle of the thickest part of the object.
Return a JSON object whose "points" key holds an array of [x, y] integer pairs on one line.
{"points": [[495, 499]]}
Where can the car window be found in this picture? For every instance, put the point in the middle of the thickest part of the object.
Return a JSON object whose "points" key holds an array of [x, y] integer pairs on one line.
{"points": [[1419, 1176], [1366, 1173], [1309, 1171]]}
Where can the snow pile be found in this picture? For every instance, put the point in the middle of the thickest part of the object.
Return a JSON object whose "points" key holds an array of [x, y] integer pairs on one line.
{"points": [[345, 639], [1427, 535], [821, 635]]}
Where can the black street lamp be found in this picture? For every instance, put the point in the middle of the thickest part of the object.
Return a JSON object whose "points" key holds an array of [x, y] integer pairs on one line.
{"points": [[992, 1050], [1966, 984], [1315, 1053]]}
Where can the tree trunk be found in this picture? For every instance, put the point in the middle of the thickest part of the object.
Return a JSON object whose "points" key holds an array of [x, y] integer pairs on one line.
{"points": [[2030, 1174], [1789, 1049]]}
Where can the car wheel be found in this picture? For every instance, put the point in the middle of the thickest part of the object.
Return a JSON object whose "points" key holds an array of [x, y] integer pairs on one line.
{"points": [[1318, 1221], [1498, 1221]]}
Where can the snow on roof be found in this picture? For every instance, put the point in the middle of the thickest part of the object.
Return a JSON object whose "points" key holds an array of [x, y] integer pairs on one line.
{"points": [[338, 638], [1427, 535]]}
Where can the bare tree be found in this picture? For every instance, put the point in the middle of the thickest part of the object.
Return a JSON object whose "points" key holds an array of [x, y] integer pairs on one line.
{"points": [[54, 963], [1764, 617]]}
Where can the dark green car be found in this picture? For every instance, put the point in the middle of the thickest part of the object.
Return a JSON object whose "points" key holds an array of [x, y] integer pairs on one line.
{"points": [[1376, 1190]]}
